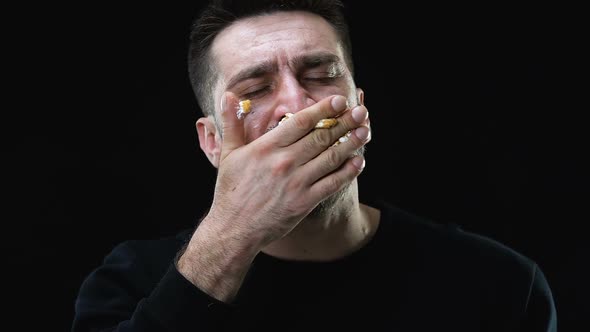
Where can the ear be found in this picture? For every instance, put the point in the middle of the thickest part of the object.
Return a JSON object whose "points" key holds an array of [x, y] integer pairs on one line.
{"points": [[209, 139], [360, 95]]}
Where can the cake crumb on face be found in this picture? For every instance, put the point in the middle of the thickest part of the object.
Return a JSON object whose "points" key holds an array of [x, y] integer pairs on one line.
{"points": [[326, 123], [244, 108], [322, 124], [285, 117]]}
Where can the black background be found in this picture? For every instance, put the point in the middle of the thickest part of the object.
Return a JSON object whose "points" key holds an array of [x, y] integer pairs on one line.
{"points": [[477, 117]]}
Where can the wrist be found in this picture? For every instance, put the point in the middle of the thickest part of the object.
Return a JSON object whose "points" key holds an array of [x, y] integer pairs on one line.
{"points": [[216, 261]]}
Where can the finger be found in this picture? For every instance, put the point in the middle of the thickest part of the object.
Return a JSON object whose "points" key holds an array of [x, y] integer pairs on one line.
{"points": [[319, 140], [304, 121], [333, 158], [338, 179], [233, 128]]}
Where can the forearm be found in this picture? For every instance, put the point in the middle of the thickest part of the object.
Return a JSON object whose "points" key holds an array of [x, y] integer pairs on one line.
{"points": [[174, 304], [216, 260]]}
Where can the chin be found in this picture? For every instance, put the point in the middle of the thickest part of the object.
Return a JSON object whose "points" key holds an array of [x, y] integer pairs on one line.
{"points": [[326, 207]]}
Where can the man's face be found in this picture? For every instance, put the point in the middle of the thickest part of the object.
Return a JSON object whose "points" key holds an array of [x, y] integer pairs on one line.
{"points": [[283, 62]]}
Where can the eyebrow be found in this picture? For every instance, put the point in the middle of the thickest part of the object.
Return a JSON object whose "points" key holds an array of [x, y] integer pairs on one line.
{"points": [[315, 60], [266, 67], [257, 70]]}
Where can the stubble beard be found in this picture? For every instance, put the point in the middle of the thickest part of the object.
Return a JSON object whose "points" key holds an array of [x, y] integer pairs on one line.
{"points": [[327, 206]]}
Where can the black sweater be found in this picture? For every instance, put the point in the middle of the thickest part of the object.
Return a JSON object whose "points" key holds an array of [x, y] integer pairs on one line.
{"points": [[414, 275]]}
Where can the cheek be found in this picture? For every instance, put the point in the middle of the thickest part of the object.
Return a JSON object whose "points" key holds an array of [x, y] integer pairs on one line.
{"points": [[256, 124], [341, 89]]}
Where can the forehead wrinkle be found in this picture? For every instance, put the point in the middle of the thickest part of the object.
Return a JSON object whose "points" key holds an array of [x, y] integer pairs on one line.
{"points": [[246, 33]]}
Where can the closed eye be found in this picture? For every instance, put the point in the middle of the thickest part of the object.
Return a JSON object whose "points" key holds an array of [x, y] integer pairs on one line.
{"points": [[325, 78], [256, 91], [326, 74]]}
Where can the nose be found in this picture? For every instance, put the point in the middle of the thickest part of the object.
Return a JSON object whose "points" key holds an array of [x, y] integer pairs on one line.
{"points": [[292, 98]]}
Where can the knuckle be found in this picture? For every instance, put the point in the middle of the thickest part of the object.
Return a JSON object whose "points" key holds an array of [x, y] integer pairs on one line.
{"points": [[282, 166], [322, 138], [348, 123], [302, 121], [265, 148], [332, 158], [315, 140], [292, 186], [332, 185]]}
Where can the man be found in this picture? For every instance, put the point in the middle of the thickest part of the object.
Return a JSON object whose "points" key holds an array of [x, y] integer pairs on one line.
{"points": [[287, 245]]}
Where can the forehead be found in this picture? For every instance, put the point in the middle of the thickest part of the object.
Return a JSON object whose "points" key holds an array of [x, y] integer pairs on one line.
{"points": [[277, 36]]}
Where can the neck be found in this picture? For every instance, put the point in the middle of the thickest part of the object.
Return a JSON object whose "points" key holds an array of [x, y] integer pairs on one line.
{"points": [[345, 228]]}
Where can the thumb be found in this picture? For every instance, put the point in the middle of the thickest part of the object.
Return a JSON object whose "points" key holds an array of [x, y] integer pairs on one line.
{"points": [[233, 128]]}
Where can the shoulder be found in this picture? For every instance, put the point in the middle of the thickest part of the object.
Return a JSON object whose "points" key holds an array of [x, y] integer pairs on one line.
{"points": [[467, 266], [450, 241], [139, 263], [132, 250], [128, 274], [152, 256]]}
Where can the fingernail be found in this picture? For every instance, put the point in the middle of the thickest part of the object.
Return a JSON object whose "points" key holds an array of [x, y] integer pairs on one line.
{"points": [[358, 162], [222, 103], [362, 133], [359, 114], [339, 103]]}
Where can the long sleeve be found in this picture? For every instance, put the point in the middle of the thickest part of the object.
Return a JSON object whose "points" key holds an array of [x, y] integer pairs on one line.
{"points": [[127, 293], [540, 315]]}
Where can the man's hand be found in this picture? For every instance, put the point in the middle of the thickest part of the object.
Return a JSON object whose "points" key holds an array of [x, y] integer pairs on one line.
{"points": [[265, 188]]}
